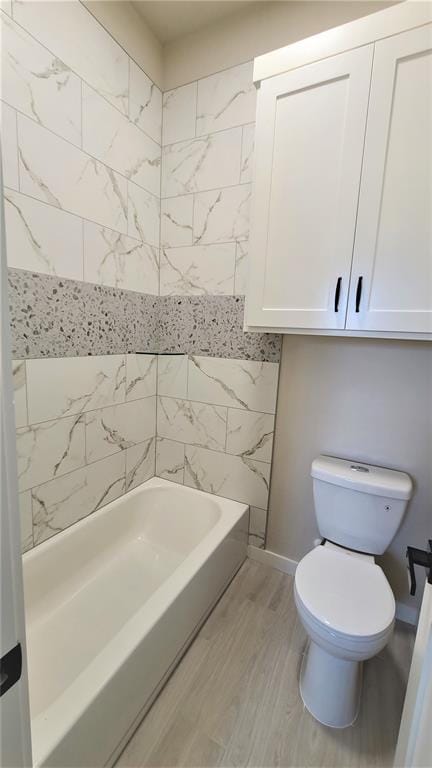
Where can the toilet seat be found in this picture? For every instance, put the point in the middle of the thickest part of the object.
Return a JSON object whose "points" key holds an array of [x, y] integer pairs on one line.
{"points": [[346, 592]]}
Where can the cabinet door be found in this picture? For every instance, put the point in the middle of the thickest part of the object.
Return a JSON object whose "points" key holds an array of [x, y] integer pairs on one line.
{"points": [[309, 146], [393, 245]]}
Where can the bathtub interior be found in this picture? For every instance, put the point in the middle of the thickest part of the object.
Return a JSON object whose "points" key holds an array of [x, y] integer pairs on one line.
{"points": [[82, 586]]}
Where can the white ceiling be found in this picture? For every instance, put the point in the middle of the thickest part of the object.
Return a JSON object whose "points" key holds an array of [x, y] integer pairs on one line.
{"points": [[170, 19]]}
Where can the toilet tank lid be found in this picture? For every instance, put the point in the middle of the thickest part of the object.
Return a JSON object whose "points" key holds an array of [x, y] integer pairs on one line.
{"points": [[362, 477]]}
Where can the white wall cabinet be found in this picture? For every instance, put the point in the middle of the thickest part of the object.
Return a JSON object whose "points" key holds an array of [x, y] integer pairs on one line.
{"points": [[341, 225]]}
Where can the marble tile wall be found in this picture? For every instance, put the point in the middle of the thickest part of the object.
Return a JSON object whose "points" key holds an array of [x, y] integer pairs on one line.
{"points": [[216, 404], [127, 223], [86, 431], [81, 144], [215, 424], [81, 130]]}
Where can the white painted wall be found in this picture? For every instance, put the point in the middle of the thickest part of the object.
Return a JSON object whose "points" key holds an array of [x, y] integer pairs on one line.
{"points": [[256, 29], [361, 399]]}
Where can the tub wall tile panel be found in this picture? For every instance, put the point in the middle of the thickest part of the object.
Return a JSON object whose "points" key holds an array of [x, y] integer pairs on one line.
{"points": [[83, 163], [197, 270], [60, 503], [90, 436], [74, 35], [39, 84], [179, 113], [42, 238], [119, 261], [9, 147], [118, 427], [20, 392], [145, 103], [118, 143], [26, 521], [226, 99], [140, 463], [205, 205]]}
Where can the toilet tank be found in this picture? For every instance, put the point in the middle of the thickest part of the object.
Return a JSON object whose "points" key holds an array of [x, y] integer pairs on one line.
{"points": [[358, 505]]}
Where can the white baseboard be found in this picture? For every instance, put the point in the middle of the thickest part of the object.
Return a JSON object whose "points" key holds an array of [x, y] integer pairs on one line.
{"points": [[404, 612], [266, 557], [407, 613]]}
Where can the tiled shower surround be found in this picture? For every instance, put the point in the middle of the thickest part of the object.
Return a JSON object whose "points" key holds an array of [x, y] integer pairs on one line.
{"points": [[127, 232]]}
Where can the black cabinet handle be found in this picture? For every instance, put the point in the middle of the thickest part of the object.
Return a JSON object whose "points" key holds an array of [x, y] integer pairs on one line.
{"points": [[337, 294], [10, 669], [359, 293]]}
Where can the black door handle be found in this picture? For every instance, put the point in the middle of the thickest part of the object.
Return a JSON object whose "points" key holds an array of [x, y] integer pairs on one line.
{"points": [[337, 294], [10, 669], [359, 293], [419, 557]]}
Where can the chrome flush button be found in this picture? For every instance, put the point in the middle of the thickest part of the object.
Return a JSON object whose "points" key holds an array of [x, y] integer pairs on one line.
{"points": [[359, 468]]}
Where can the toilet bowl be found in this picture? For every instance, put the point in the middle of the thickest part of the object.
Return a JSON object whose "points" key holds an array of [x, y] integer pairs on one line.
{"points": [[347, 608]]}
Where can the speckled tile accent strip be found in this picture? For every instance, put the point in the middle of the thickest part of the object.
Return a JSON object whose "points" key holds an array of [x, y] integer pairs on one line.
{"points": [[55, 317], [212, 326]]}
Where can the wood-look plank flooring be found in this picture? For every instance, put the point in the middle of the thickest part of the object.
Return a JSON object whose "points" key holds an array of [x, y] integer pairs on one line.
{"points": [[233, 701]]}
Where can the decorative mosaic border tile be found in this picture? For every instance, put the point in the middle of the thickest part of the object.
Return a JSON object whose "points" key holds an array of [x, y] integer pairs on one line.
{"points": [[55, 317], [212, 326]]}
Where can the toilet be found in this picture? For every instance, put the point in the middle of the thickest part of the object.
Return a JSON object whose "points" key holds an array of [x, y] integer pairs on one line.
{"points": [[343, 598]]}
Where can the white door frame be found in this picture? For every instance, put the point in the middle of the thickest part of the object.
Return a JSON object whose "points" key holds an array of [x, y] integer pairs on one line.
{"points": [[414, 747], [15, 736]]}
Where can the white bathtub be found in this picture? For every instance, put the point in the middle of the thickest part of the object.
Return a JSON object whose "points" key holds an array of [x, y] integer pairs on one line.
{"points": [[111, 604]]}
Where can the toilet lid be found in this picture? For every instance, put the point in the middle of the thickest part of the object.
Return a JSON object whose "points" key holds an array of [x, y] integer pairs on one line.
{"points": [[347, 593]]}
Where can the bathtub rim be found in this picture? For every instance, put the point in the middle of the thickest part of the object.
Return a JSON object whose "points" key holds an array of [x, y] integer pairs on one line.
{"points": [[52, 724]]}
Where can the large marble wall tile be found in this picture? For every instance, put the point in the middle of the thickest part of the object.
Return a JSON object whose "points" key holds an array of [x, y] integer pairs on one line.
{"points": [[42, 238], [237, 383], [56, 172], [26, 524], [140, 463], [172, 375], [141, 376], [113, 139], [145, 103], [193, 423], [48, 450], [212, 325], [222, 215], [242, 268], [20, 392], [73, 34], [143, 215], [120, 261], [257, 527], [250, 434], [226, 99], [234, 477], [37, 83], [8, 129], [193, 270], [200, 164], [118, 427], [60, 503], [176, 221], [58, 387], [246, 168], [179, 113], [170, 460]]}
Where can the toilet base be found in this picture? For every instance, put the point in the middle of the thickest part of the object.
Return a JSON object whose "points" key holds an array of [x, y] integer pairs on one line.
{"points": [[330, 687]]}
